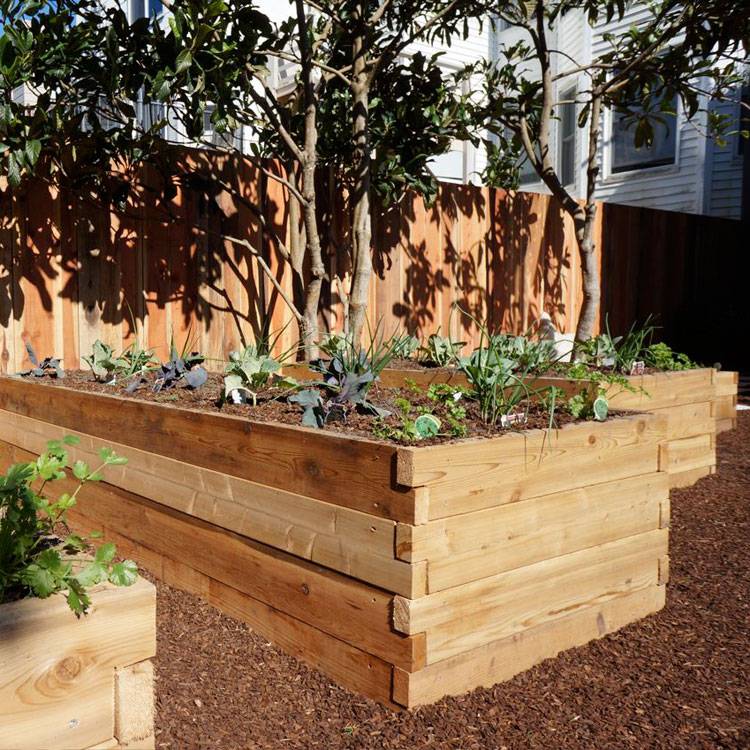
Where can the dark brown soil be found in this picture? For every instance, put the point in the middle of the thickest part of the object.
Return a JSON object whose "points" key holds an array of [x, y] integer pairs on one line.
{"points": [[402, 363], [272, 406], [678, 679]]}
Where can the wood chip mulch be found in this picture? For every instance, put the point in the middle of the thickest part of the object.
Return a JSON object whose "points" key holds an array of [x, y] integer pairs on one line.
{"points": [[679, 679]]}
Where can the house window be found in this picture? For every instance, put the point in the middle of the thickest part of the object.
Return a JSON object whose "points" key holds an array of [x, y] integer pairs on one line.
{"points": [[144, 8], [527, 175], [626, 156], [742, 145], [567, 131]]}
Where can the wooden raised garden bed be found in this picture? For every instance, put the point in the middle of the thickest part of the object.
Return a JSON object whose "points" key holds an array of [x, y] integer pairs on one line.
{"points": [[75, 683], [404, 573], [698, 403]]}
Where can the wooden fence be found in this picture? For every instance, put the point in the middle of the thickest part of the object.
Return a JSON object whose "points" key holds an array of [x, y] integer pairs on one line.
{"points": [[71, 273]]}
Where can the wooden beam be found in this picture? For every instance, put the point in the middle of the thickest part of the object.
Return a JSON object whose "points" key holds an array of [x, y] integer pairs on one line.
{"points": [[466, 616], [345, 540], [347, 471], [343, 607], [477, 545]]}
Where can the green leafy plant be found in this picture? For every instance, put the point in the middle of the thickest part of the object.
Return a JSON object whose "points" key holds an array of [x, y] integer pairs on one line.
{"points": [[107, 367], [36, 559], [414, 424], [334, 344], [496, 379], [103, 362], [531, 355], [47, 367], [440, 351], [589, 403], [451, 398], [598, 351], [662, 357], [403, 345], [247, 371]]}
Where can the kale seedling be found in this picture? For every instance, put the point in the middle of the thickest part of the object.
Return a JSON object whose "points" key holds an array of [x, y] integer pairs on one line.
{"points": [[48, 367]]}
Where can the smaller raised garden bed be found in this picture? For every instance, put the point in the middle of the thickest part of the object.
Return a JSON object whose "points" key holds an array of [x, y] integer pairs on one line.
{"points": [[697, 403], [404, 572], [75, 683]]}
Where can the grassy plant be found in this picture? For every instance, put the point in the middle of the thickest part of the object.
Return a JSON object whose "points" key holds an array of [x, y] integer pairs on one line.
{"points": [[621, 353], [35, 560], [632, 346]]}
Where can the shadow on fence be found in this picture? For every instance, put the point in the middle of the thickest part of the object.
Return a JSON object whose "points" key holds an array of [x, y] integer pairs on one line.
{"points": [[182, 259]]}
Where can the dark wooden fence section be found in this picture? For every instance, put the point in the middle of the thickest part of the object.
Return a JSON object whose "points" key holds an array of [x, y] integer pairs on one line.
{"points": [[71, 273], [691, 272]]}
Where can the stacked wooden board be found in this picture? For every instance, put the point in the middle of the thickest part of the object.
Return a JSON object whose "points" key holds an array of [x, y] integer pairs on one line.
{"points": [[404, 573], [73, 683], [697, 404], [724, 406]]}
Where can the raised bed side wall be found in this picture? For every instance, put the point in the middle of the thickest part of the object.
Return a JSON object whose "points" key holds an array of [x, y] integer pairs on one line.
{"points": [[70, 683], [699, 404], [404, 573]]}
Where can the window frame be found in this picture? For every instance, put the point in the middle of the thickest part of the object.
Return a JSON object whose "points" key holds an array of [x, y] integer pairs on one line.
{"points": [[623, 175]]}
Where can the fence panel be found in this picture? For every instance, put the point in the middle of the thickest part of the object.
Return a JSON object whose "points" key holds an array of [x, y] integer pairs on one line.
{"points": [[187, 266]]}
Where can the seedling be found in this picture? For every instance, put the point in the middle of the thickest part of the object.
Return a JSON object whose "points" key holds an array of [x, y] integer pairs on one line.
{"points": [[47, 367]]}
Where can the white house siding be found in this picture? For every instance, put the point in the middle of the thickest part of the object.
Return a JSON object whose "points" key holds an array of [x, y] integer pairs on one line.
{"points": [[676, 187], [723, 193], [704, 177], [464, 163]]}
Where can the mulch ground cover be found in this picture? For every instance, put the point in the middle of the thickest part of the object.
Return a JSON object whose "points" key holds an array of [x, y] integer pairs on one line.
{"points": [[678, 679]]}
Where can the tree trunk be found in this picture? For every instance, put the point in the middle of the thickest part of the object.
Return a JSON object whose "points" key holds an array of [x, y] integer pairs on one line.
{"points": [[583, 216], [310, 334], [592, 291], [591, 278], [309, 326], [361, 220]]}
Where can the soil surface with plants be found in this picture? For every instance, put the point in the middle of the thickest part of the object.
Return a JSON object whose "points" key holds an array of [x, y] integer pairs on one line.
{"points": [[404, 404], [677, 679]]}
